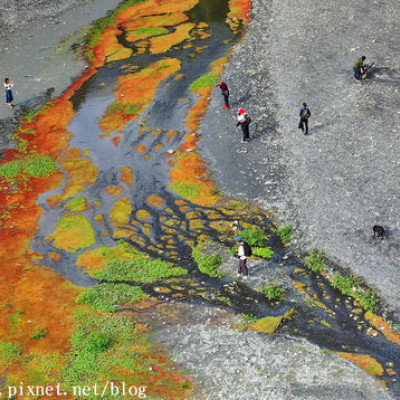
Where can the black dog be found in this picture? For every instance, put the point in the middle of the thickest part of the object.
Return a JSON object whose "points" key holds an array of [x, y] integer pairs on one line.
{"points": [[378, 231]]}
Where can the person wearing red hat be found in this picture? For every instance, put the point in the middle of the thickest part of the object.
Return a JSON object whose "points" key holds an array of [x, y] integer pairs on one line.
{"points": [[225, 92], [243, 120]]}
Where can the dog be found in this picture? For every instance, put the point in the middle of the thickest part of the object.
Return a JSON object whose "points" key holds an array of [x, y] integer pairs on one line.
{"points": [[378, 231]]}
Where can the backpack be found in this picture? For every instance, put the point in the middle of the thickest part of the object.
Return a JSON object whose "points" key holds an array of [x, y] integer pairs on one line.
{"points": [[247, 249], [304, 114], [248, 119]]}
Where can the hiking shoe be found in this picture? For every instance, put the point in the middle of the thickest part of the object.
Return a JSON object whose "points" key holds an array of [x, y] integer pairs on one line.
{"points": [[239, 275], [226, 107], [243, 141], [245, 277]]}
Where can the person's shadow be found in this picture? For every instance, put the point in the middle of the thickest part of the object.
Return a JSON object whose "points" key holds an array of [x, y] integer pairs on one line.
{"points": [[383, 74]]}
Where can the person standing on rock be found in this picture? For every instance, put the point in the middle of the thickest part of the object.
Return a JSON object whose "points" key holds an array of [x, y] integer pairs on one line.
{"points": [[225, 92], [358, 68], [244, 120], [241, 255], [9, 96], [304, 114]]}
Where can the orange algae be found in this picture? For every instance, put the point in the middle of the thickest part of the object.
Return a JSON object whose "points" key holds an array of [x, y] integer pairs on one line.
{"points": [[113, 191], [142, 215], [82, 173], [121, 233], [162, 44], [365, 361], [99, 218], [55, 257], [72, 233], [155, 7], [155, 201], [126, 175], [171, 134], [121, 211], [135, 92], [140, 148], [189, 177], [108, 48], [116, 140], [158, 146], [382, 326], [238, 12], [49, 303], [95, 260]]}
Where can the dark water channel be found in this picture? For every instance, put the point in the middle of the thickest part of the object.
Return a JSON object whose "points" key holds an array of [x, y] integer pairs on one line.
{"points": [[337, 331]]}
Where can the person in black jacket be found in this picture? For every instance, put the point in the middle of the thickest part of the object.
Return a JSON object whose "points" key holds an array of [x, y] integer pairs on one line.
{"points": [[243, 120], [241, 255], [304, 114]]}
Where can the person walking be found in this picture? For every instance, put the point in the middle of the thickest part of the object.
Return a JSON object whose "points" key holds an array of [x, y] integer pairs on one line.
{"points": [[243, 120], [304, 114], [358, 68], [9, 96], [225, 92], [241, 255]]}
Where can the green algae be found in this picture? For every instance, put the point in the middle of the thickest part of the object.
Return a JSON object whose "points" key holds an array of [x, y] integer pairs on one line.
{"points": [[204, 81], [77, 204]]}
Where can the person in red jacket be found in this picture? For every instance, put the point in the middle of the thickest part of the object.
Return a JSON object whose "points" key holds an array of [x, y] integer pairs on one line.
{"points": [[225, 92]]}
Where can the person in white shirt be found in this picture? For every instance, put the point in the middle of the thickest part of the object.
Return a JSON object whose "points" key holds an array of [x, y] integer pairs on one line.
{"points": [[243, 120], [9, 96], [240, 253]]}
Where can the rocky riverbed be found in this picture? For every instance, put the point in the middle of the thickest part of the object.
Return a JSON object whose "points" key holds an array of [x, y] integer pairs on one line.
{"points": [[271, 73], [335, 184]]}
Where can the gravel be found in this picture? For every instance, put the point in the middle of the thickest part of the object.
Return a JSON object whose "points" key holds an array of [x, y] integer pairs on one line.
{"points": [[229, 364], [335, 184]]}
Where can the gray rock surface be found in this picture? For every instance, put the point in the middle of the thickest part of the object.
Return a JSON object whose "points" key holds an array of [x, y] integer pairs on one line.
{"points": [[35, 39], [229, 364], [335, 184]]}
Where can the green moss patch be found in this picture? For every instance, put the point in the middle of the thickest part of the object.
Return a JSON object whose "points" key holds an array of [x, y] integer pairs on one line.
{"points": [[263, 252], [106, 297], [35, 166], [285, 233], [207, 263], [274, 292], [255, 237], [101, 345], [9, 353], [138, 268], [316, 261], [353, 286]]}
